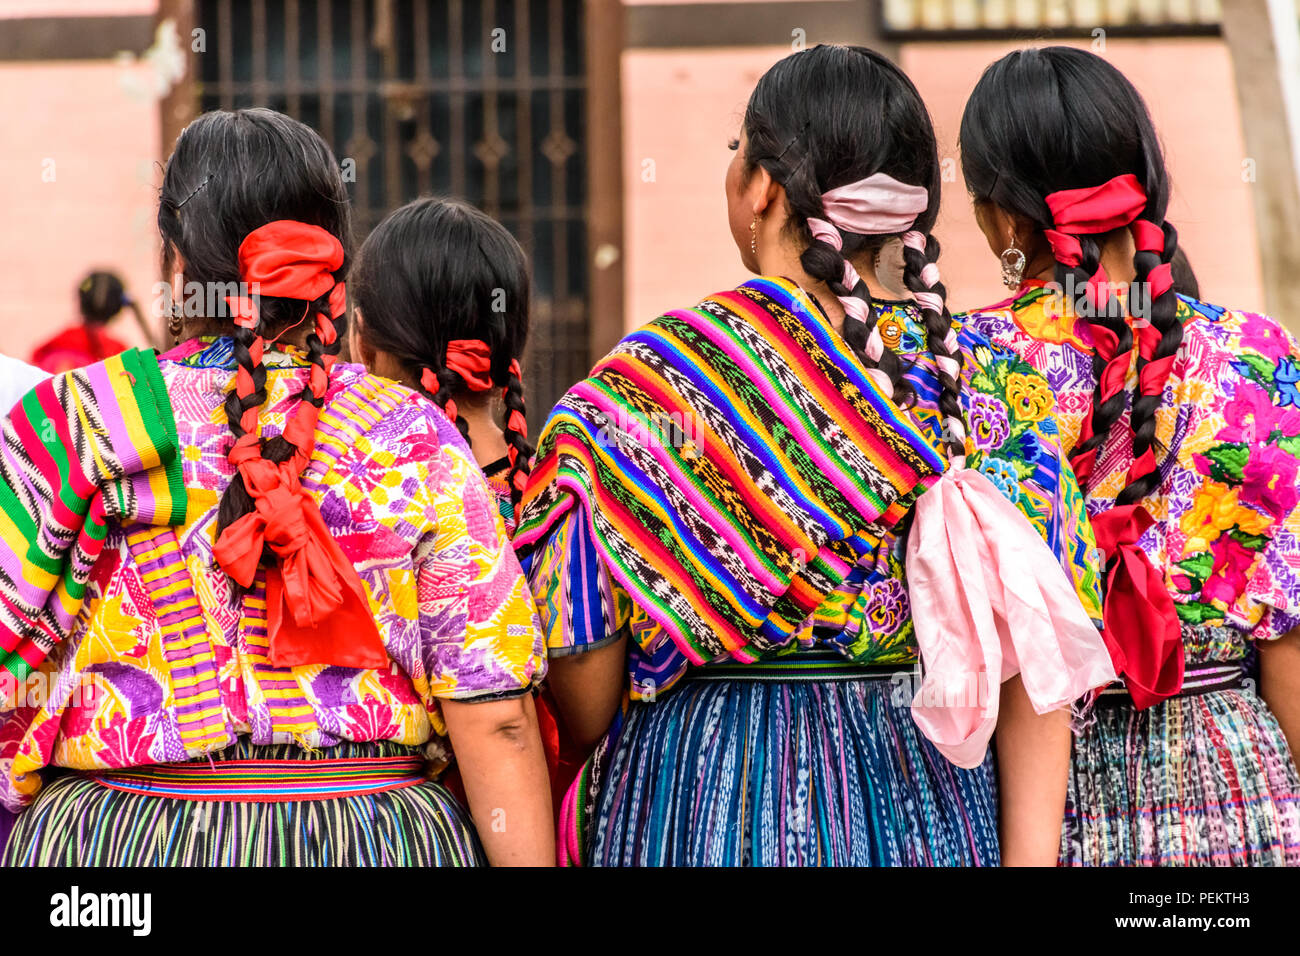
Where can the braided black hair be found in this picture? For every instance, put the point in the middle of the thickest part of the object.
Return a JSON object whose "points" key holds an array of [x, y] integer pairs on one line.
{"points": [[833, 115], [436, 271], [1044, 120], [231, 173]]}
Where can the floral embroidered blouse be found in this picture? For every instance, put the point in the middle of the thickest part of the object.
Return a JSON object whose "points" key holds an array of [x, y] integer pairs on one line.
{"points": [[867, 619], [1227, 531], [166, 663]]}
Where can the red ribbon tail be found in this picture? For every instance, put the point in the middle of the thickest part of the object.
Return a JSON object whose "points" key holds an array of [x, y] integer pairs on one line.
{"points": [[331, 621], [1142, 629]]}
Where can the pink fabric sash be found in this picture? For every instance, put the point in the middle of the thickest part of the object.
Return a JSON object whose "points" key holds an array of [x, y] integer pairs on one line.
{"points": [[989, 601], [877, 205]]}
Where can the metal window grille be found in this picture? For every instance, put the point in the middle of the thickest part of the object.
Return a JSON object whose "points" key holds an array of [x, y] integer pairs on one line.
{"points": [[483, 100]]}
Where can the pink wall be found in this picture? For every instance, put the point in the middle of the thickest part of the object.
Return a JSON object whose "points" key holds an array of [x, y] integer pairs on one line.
{"points": [[681, 106], [98, 212], [76, 8]]}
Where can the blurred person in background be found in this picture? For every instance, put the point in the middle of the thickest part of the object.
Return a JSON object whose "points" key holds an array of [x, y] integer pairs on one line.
{"points": [[101, 296]]}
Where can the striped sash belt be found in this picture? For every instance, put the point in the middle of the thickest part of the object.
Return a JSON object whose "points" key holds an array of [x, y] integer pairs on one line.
{"points": [[804, 667], [1198, 679], [268, 781]]}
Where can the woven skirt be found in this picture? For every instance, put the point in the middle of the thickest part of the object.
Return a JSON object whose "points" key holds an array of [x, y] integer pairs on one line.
{"points": [[6, 825], [349, 805], [1200, 780], [733, 769]]}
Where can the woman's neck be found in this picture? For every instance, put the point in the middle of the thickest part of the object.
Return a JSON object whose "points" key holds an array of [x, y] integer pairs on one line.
{"points": [[486, 438], [784, 261], [1116, 258]]}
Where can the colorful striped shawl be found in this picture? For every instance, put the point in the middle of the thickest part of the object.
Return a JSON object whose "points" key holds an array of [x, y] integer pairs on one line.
{"points": [[84, 447], [734, 460]]}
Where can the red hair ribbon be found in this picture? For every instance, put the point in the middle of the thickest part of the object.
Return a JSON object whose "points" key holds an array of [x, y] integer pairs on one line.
{"points": [[471, 359], [429, 381], [1148, 237], [1067, 251], [516, 423], [288, 259], [317, 610], [1113, 377], [1089, 211], [1141, 627], [1096, 209]]}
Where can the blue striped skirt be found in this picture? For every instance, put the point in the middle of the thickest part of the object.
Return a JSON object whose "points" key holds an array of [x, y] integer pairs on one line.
{"points": [[376, 818], [730, 770]]}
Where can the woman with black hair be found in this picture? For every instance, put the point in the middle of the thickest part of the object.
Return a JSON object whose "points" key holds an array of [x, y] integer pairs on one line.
{"points": [[718, 519], [265, 594], [441, 304], [1182, 423], [440, 300]]}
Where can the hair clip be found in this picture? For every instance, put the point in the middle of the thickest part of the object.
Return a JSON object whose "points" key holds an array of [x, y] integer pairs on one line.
{"points": [[793, 140], [206, 177]]}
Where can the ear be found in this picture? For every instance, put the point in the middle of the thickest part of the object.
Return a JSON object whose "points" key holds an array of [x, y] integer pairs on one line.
{"points": [[356, 341], [175, 262], [765, 190]]}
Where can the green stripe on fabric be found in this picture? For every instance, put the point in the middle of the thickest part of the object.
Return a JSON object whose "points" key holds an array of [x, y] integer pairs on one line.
{"points": [[16, 666], [167, 418]]}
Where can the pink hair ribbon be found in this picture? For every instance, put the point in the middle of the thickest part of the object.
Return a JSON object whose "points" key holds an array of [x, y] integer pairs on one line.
{"points": [[877, 205]]}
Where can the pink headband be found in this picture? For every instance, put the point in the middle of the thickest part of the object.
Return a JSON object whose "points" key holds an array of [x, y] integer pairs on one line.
{"points": [[876, 205]]}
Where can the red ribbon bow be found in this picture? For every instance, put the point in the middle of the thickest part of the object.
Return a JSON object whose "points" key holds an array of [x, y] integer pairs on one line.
{"points": [[471, 359], [291, 259], [1096, 209], [1141, 627], [317, 611]]}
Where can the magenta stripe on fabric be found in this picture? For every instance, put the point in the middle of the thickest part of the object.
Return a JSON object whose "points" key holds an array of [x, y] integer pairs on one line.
{"points": [[124, 443]]}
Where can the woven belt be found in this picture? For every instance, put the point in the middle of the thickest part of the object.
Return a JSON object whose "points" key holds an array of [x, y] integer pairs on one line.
{"points": [[1198, 679], [803, 667], [268, 781]]}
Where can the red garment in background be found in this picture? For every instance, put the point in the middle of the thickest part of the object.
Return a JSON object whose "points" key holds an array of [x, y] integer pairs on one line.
{"points": [[76, 347]]}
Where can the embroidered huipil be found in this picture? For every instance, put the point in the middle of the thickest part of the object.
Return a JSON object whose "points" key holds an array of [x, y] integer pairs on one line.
{"points": [[1013, 440], [165, 663], [1227, 514]]}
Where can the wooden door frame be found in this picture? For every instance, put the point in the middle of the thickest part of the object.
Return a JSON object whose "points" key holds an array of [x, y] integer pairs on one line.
{"points": [[604, 152]]}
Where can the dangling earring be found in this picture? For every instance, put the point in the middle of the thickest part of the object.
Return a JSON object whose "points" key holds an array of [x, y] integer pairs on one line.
{"points": [[175, 323], [753, 236], [1013, 266]]}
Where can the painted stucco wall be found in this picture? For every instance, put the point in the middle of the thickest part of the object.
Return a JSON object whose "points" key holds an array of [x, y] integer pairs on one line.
{"points": [[78, 176]]}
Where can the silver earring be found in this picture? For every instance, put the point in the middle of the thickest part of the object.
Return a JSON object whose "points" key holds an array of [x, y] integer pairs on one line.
{"points": [[1013, 266]]}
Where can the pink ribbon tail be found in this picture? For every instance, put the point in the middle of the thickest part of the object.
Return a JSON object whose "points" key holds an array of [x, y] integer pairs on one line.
{"points": [[989, 601]]}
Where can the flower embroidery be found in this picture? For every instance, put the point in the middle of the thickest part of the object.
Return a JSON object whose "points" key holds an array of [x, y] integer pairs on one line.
{"points": [[989, 424], [1003, 475], [1214, 510], [1030, 397], [1232, 564], [888, 607], [1285, 378]]}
